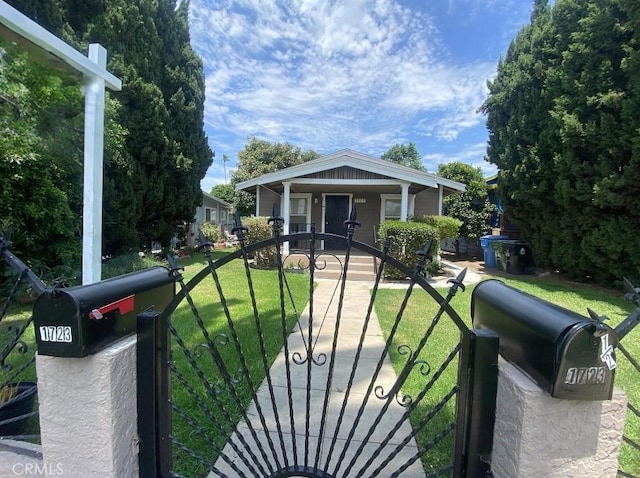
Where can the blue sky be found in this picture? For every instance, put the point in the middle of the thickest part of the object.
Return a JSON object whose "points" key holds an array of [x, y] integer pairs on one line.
{"points": [[360, 74]]}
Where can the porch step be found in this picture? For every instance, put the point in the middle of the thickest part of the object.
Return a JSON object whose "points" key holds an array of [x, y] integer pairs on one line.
{"points": [[329, 266]]}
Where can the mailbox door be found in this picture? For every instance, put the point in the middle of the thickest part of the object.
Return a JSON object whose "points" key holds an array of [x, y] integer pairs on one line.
{"points": [[57, 325], [586, 363]]}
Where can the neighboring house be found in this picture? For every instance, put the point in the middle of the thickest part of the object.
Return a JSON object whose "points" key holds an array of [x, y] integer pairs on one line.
{"points": [[324, 190], [213, 210]]}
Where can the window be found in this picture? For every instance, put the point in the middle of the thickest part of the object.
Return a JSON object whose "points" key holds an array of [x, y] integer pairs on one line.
{"points": [[210, 215], [392, 209], [298, 206], [391, 206], [299, 212]]}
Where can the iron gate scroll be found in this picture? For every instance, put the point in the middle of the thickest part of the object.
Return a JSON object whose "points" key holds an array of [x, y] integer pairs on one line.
{"points": [[239, 378], [19, 417]]}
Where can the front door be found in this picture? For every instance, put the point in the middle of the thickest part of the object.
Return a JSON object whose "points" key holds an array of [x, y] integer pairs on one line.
{"points": [[335, 213]]}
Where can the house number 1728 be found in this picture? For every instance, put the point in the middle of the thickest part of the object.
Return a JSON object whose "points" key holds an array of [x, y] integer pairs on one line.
{"points": [[55, 333]]}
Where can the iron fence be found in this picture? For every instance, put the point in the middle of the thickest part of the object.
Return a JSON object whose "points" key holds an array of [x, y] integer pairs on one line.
{"points": [[18, 389], [631, 439], [279, 392]]}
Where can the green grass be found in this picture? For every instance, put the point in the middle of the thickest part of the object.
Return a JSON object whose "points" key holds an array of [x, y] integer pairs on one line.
{"points": [[421, 309], [16, 367], [202, 407]]}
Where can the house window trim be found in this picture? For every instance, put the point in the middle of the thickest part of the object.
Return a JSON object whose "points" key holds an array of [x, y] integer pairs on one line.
{"points": [[309, 197], [385, 197]]}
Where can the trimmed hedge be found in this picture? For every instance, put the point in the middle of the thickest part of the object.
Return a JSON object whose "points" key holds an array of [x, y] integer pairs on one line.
{"points": [[407, 238], [447, 227], [258, 229]]}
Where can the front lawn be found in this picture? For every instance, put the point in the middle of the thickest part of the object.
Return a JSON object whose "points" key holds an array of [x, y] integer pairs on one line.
{"points": [[575, 297], [210, 404]]}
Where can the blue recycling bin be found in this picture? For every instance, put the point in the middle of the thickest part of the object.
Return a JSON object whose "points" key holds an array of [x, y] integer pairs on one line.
{"points": [[487, 252]]}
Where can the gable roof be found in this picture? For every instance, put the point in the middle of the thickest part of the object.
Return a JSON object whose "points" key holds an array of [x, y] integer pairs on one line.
{"points": [[353, 159], [217, 199]]}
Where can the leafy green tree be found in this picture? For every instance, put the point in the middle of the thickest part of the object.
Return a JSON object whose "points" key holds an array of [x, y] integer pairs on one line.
{"points": [[156, 149], [40, 179], [563, 119], [226, 192], [471, 207], [405, 155], [260, 157]]}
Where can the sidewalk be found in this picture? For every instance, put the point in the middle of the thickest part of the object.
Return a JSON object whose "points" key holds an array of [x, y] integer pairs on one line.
{"points": [[451, 271], [356, 302]]}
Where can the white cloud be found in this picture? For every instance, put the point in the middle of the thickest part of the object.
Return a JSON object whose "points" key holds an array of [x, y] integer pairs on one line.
{"points": [[471, 154], [330, 74], [327, 71]]}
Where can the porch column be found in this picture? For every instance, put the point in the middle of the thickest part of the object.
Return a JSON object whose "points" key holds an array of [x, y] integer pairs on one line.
{"points": [[286, 213], [258, 200], [404, 203], [440, 199]]}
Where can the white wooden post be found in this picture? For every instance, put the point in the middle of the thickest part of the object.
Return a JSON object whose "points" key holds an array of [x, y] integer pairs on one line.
{"points": [[258, 188], [96, 79], [94, 98], [286, 213], [404, 203]]}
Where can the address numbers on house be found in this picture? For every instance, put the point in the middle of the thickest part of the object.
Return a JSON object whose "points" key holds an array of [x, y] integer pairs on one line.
{"points": [[55, 333]]}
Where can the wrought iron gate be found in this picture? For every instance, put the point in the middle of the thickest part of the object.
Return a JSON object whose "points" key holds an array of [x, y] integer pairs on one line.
{"points": [[261, 373], [18, 390]]}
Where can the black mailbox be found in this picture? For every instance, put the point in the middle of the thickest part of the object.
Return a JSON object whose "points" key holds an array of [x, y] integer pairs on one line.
{"points": [[570, 356], [82, 320]]}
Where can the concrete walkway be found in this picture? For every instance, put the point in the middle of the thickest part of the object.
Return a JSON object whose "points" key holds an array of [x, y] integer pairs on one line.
{"points": [[356, 300]]}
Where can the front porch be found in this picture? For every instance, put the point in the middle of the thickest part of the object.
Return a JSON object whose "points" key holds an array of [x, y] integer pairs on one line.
{"points": [[324, 191]]}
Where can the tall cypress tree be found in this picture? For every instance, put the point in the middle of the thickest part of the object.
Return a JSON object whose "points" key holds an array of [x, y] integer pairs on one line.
{"points": [[156, 149], [518, 121], [563, 122]]}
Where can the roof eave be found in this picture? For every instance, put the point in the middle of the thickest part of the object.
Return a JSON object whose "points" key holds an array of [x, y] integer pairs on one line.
{"points": [[342, 158]]}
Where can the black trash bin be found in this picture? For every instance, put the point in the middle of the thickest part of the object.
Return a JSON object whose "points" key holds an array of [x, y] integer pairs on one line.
{"points": [[518, 257]]}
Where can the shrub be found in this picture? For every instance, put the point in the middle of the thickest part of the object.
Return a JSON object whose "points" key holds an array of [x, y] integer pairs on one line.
{"points": [[447, 227], [406, 239], [258, 229], [125, 263], [212, 232]]}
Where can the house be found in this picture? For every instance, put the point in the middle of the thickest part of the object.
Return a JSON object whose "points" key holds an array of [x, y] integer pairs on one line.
{"points": [[324, 190], [213, 210]]}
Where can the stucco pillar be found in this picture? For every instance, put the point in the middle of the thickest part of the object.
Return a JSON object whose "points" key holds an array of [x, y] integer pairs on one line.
{"points": [[404, 203], [286, 213], [540, 436], [440, 197], [88, 412]]}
